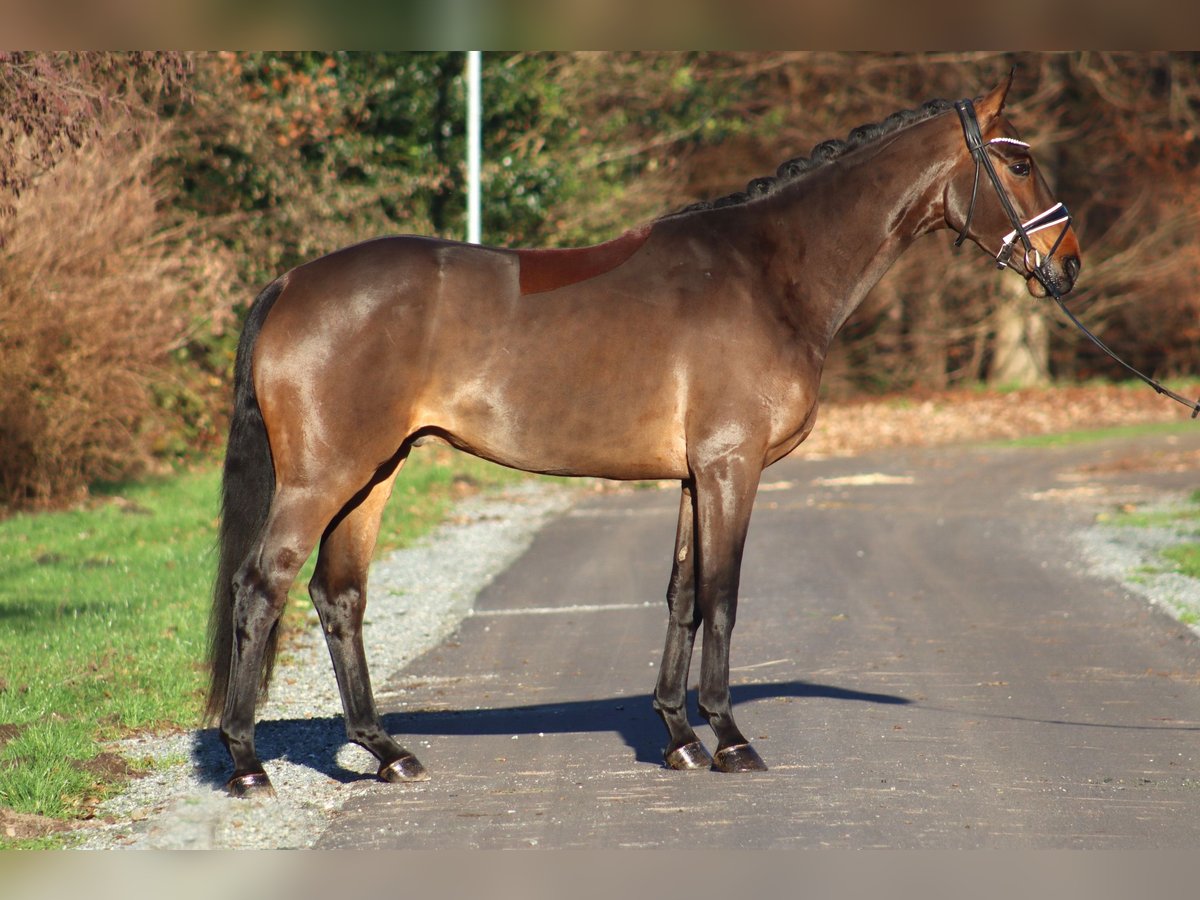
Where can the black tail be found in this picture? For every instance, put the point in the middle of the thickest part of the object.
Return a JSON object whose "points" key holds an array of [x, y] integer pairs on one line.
{"points": [[247, 487]]}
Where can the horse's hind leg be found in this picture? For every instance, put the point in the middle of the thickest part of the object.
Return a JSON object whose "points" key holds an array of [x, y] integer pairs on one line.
{"points": [[261, 585], [684, 750], [339, 592]]}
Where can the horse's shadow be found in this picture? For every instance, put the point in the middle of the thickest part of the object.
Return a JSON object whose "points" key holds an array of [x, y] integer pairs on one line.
{"points": [[315, 742]]}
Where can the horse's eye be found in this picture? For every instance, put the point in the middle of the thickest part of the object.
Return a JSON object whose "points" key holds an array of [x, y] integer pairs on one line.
{"points": [[1022, 169]]}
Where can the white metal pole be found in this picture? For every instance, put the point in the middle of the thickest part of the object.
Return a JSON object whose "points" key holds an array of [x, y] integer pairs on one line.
{"points": [[474, 126]]}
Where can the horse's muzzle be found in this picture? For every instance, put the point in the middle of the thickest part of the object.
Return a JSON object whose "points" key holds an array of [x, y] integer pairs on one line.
{"points": [[1058, 273]]}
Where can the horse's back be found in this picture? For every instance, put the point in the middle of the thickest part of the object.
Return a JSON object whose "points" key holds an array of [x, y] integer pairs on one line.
{"points": [[401, 269], [370, 306]]}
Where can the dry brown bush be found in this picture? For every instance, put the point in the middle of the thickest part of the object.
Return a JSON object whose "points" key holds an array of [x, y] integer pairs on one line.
{"points": [[94, 295]]}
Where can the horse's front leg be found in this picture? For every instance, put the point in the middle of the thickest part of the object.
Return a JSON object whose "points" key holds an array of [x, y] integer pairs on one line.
{"points": [[725, 489], [684, 750]]}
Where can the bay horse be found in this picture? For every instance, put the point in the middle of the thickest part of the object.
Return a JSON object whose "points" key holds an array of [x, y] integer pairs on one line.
{"points": [[688, 349]]}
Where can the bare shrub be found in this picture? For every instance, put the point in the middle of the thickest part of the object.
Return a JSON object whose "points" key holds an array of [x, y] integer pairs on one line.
{"points": [[94, 295], [55, 101]]}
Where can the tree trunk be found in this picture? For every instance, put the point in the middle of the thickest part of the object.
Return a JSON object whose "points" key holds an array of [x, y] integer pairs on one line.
{"points": [[928, 340], [1021, 340]]}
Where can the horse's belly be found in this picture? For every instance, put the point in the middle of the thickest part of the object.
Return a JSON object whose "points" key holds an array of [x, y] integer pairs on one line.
{"points": [[594, 430]]}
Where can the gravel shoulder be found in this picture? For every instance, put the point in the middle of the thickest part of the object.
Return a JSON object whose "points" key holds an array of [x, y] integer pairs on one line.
{"points": [[1132, 555]]}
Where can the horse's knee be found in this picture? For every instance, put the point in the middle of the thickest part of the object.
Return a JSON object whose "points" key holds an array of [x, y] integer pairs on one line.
{"points": [[337, 591], [345, 589], [341, 613]]}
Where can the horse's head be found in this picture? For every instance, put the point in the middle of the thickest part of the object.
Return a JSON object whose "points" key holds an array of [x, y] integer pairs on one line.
{"points": [[998, 198]]}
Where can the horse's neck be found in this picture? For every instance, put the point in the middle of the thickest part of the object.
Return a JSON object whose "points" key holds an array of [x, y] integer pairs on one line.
{"points": [[850, 223]]}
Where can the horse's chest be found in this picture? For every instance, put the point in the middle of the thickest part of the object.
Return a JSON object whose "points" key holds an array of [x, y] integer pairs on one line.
{"points": [[792, 422]]}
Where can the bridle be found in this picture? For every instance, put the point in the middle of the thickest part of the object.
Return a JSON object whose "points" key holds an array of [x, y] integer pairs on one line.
{"points": [[1055, 215]]}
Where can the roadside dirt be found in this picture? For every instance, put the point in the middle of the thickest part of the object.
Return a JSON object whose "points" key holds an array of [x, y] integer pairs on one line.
{"points": [[916, 419], [15, 826]]}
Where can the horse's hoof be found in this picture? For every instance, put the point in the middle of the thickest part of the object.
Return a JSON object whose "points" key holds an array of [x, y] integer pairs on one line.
{"points": [[403, 768], [739, 758], [250, 786], [689, 756]]}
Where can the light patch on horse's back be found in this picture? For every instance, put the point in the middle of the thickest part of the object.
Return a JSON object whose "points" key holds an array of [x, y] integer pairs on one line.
{"points": [[548, 270]]}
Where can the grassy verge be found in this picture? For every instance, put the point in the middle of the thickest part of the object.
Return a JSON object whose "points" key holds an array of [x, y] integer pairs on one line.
{"points": [[1182, 557], [1185, 517], [103, 613], [1086, 436], [1186, 559]]}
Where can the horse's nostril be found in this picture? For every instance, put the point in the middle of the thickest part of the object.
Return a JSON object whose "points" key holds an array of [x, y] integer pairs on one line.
{"points": [[1071, 266]]}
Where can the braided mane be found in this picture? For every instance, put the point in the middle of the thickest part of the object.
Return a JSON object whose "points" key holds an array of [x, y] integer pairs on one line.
{"points": [[822, 154]]}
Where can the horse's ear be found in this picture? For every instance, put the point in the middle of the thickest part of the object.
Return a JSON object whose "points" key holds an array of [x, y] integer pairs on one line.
{"points": [[989, 107]]}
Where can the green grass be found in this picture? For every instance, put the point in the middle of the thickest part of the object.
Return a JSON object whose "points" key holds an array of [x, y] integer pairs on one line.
{"points": [[1185, 557], [1087, 436], [1152, 518], [1180, 518], [103, 613]]}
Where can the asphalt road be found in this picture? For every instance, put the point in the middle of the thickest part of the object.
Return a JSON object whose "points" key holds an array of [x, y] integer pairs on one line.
{"points": [[922, 659]]}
